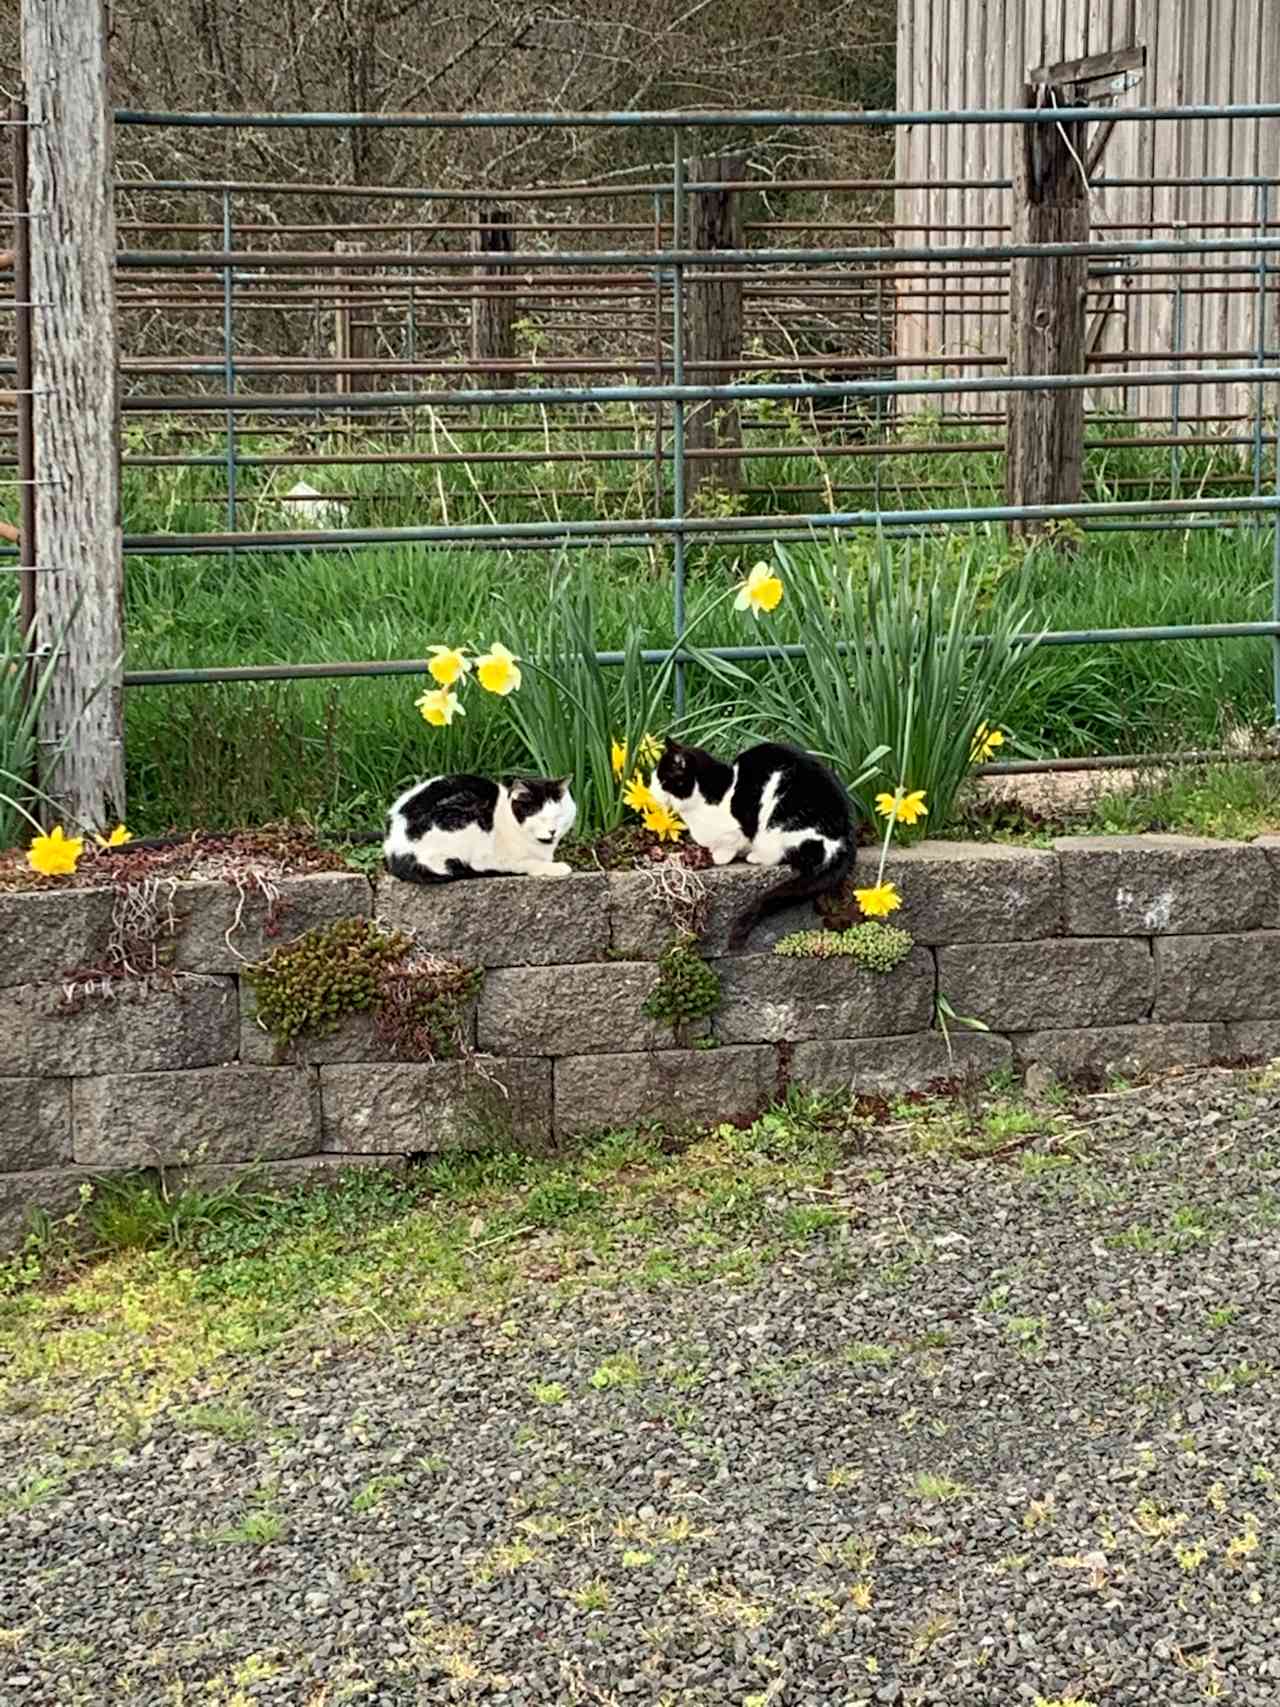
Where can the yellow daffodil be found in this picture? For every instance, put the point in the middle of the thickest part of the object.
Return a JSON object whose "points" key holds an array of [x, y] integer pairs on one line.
{"points": [[447, 664], [666, 826], [439, 707], [498, 671], [55, 855], [879, 902], [118, 837], [648, 751], [618, 758], [985, 743], [761, 591], [902, 807], [638, 796]]}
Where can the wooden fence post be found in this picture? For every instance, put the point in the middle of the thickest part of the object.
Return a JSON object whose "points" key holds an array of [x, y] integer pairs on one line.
{"points": [[493, 305], [76, 414], [714, 320], [1045, 455]]}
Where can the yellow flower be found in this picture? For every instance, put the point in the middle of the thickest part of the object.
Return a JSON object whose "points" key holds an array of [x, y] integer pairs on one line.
{"points": [[447, 664], [648, 751], [879, 902], [666, 826], [439, 707], [985, 743], [902, 807], [762, 590], [118, 837], [498, 671], [638, 796], [55, 855], [618, 758]]}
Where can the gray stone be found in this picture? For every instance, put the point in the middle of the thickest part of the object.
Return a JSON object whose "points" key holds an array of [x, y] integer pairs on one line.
{"points": [[44, 934], [569, 1010], [971, 891], [356, 1039], [889, 1066], [1161, 885], [601, 1092], [139, 1029], [769, 999], [1123, 1051], [414, 1108], [1270, 846], [220, 928], [1040, 986], [642, 925], [212, 1114], [503, 921], [35, 1123], [48, 1191], [1253, 1040], [1218, 977]]}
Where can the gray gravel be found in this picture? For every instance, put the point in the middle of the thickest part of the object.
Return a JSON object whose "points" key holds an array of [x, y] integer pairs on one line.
{"points": [[1007, 1432]]}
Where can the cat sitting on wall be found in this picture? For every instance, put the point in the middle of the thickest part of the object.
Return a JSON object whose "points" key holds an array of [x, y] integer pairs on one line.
{"points": [[773, 805], [470, 826]]}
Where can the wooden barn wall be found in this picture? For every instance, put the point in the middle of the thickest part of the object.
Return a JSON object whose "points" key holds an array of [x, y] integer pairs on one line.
{"points": [[976, 53]]}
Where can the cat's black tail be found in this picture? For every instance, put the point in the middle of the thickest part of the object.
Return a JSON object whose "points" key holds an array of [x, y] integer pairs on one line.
{"points": [[803, 887]]}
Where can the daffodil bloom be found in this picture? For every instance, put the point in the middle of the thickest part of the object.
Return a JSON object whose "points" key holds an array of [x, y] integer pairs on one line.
{"points": [[498, 671], [664, 823], [638, 796], [618, 757], [118, 837], [761, 591], [985, 743], [447, 664], [879, 902], [439, 707], [650, 750], [55, 855], [902, 807]]}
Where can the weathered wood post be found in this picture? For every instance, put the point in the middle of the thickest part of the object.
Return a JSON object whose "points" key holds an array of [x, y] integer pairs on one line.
{"points": [[493, 306], [76, 413], [714, 322], [1053, 163]]}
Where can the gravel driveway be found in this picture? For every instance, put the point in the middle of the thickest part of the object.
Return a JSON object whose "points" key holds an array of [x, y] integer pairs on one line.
{"points": [[994, 1430]]}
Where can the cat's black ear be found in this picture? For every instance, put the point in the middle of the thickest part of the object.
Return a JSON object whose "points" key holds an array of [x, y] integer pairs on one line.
{"points": [[520, 788], [562, 783]]}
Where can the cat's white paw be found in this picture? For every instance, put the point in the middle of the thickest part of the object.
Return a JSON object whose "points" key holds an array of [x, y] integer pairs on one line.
{"points": [[723, 856], [555, 868], [756, 858]]}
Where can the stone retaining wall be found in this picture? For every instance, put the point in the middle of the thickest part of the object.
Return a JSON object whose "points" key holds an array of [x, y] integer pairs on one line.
{"points": [[1096, 957]]}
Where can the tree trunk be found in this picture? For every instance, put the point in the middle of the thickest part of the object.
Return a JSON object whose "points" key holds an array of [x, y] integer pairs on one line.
{"points": [[73, 247], [1045, 457], [714, 328]]}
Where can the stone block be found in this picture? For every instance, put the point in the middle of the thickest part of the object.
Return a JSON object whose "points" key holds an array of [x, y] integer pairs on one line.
{"points": [[1218, 977], [35, 1124], [891, 1066], [414, 1108], [972, 891], [1056, 985], [44, 934], [211, 1114], [1270, 846], [642, 927], [771, 999], [1253, 1040], [51, 1191], [1161, 885], [220, 928], [503, 921], [1115, 1051], [601, 1092], [356, 1039], [140, 1029], [569, 1010]]}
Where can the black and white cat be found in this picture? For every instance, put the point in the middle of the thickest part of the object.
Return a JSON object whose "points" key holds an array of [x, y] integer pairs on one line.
{"points": [[774, 805], [471, 826]]}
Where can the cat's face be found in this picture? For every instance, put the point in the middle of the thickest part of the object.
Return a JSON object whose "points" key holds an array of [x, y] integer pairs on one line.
{"points": [[677, 773], [544, 810]]}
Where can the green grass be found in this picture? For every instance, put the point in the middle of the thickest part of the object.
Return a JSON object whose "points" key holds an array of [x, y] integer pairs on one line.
{"points": [[333, 753]]}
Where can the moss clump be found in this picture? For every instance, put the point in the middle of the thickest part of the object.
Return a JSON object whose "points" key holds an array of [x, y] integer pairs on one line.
{"points": [[687, 988], [877, 947], [308, 987]]}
